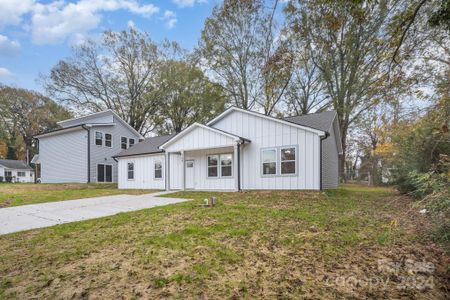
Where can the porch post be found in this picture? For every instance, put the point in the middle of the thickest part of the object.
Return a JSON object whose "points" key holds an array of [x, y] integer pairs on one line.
{"points": [[236, 168], [183, 181], [167, 175]]}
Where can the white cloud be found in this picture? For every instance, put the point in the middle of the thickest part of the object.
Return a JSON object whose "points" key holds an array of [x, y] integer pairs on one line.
{"points": [[4, 72], [130, 24], [59, 20], [169, 18], [188, 3], [11, 11], [8, 47]]}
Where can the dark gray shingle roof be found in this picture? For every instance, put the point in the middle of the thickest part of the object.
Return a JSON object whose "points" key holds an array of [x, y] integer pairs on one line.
{"points": [[147, 146], [15, 164], [321, 121]]}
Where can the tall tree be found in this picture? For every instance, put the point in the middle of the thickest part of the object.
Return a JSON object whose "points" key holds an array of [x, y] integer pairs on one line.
{"points": [[116, 73], [188, 96], [25, 113], [352, 48], [242, 49]]}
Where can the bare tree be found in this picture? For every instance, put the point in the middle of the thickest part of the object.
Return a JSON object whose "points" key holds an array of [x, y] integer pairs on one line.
{"points": [[116, 73]]}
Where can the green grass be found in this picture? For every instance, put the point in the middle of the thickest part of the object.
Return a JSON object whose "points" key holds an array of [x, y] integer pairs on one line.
{"points": [[14, 194], [261, 244]]}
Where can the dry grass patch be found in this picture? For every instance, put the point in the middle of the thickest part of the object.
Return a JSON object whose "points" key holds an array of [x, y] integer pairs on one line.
{"points": [[253, 244]]}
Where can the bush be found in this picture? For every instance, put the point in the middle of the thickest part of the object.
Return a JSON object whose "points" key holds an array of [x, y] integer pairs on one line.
{"points": [[1, 178], [8, 178]]}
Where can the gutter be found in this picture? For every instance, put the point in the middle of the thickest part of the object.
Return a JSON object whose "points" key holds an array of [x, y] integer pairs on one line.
{"points": [[88, 152], [322, 138]]}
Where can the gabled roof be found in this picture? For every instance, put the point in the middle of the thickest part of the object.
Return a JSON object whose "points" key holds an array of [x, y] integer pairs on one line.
{"points": [[282, 121], [71, 128], [147, 146], [14, 164], [85, 120], [196, 125], [322, 120]]}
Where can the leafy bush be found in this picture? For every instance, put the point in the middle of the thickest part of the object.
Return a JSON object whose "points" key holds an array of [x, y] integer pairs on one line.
{"points": [[8, 178], [1, 178]]}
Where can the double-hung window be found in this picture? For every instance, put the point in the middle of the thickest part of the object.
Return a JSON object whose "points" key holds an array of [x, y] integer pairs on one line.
{"points": [[20, 174], [131, 142], [98, 138], [130, 169], [269, 161], [213, 166], [108, 140], [226, 165], [123, 142], [158, 169], [287, 160]]}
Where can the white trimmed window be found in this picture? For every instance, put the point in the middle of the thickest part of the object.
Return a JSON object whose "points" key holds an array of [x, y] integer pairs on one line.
{"points": [[108, 140], [123, 142], [98, 138], [158, 169], [130, 142], [130, 169], [226, 165], [269, 161], [20, 174], [288, 160], [213, 165]]}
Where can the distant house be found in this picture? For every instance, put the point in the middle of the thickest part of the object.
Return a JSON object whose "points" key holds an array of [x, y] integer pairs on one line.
{"points": [[16, 171], [239, 150], [82, 149]]}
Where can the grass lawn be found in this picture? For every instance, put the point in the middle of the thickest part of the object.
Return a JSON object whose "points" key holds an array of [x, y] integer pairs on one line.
{"points": [[355, 242], [13, 194]]}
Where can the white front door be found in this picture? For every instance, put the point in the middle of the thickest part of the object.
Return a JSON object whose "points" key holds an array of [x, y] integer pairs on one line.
{"points": [[189, 174]]}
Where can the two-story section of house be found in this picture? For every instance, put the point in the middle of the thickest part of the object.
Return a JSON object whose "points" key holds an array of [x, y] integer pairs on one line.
{"points": [[82, 149]]}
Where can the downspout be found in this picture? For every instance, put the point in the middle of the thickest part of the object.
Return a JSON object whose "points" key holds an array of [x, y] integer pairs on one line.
{"points": [[88, 152], [322, 138]]}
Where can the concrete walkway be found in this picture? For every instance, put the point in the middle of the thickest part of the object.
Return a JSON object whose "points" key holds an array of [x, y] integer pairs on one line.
{"points": [[18, 218]]}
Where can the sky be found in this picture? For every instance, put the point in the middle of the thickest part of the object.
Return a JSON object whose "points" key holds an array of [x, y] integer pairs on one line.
{"points": [[36, 34]]}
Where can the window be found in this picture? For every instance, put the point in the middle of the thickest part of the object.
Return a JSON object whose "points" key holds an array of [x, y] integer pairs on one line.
{"points": [[269, 161], [131, 141], [123, 142], [104, 173], [98, 138], [8, 173], [158, 169], [287, 160], [226, 163], [21, 174], [213, 165], [130, 169], [108, 140]]}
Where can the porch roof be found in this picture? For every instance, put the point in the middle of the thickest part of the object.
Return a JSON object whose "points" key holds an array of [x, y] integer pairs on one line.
{"points": [[199, 136]]}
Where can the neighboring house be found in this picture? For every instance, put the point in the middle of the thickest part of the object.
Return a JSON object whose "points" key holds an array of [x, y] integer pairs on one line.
{"points": [[17, 170], [239, 150], [82, 149]]}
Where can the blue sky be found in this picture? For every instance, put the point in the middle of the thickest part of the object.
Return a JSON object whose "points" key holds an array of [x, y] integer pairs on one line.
{"points": [[35, 35]]}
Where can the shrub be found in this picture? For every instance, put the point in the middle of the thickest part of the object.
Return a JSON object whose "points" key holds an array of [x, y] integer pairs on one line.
{"points": [[1, 178], [8, 178]]}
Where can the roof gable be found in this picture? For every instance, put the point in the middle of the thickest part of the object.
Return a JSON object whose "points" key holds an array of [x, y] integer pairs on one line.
{"points": [[320, 132]]}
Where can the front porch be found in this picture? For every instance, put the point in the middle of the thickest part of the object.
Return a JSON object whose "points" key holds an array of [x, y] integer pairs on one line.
{"points": [[203, 158]]}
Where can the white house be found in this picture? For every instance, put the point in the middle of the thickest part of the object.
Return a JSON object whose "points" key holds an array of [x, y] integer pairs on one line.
{"points": [[238, 150], [16, 170]]}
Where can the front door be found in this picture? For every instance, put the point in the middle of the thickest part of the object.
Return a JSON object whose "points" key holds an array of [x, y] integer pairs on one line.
{"points": [[189, 174]]}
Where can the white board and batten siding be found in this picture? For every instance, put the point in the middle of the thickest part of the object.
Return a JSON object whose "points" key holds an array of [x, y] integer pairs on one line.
{"points": [[144, 172], [200, 138], [266, 133], [63, 157]]}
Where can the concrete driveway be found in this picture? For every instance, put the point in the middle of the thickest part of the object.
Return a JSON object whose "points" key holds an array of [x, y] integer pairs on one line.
{"points": [[18, 218]]}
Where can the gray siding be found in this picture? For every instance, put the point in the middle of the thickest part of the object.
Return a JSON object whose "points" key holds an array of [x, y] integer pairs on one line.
{"points": [[330, 159], [102, 154], [63, 157]]}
